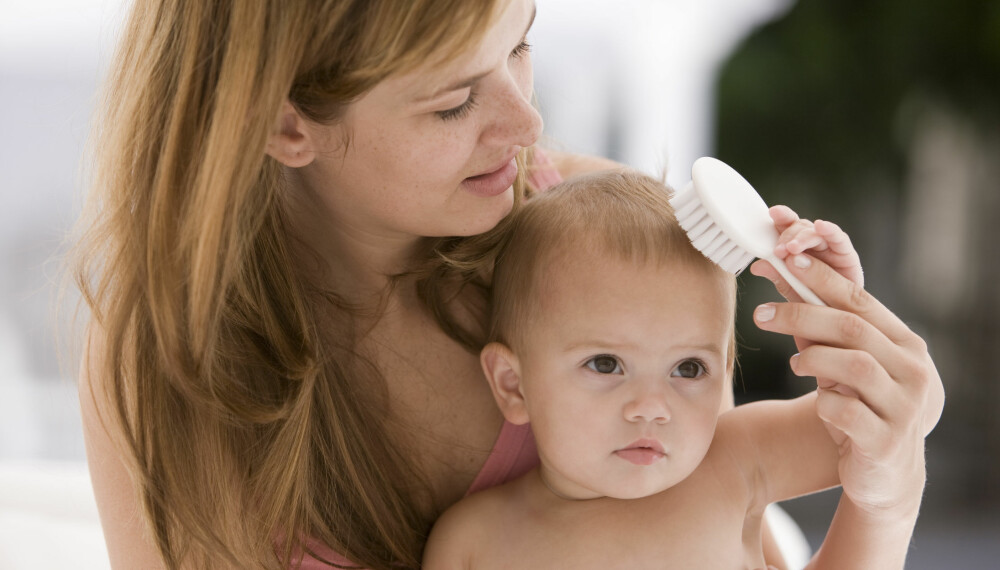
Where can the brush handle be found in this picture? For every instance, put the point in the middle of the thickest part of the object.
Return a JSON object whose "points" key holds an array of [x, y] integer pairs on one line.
{"points": [[800, 287]]}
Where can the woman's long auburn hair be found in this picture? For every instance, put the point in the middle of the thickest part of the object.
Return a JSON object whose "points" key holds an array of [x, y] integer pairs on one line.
{"points": [[250, 430]]}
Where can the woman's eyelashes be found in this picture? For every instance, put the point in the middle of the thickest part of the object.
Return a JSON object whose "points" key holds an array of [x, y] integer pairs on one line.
{"points": [[460, 111], [466, 107], [521, 49]]}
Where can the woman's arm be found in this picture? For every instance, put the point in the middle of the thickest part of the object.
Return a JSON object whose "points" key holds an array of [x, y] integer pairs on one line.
{"points": [[863, 539], [128, 543]]}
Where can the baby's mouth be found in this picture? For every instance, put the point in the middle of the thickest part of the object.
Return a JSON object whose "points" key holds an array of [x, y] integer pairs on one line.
{"points": [[642, 452]]}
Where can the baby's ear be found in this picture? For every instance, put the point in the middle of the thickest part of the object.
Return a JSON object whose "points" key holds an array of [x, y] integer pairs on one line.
{"points": [[503, 371]]}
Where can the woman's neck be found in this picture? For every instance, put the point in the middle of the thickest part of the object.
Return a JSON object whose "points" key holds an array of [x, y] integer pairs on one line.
{"points": [[346, 258]]}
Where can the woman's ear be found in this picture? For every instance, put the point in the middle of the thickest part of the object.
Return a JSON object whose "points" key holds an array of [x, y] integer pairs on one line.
{"points": [[291, 143], [503, 371]]}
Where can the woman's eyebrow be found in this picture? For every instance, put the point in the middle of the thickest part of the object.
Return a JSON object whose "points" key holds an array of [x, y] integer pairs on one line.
{"points": [[470, 81]]}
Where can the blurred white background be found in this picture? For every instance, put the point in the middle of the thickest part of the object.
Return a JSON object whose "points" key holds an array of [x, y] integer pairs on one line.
{"points": [[51, 53]]}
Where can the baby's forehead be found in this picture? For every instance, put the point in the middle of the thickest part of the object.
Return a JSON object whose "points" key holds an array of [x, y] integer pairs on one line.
{"points": [[601, 295], [639, 256], [586, 265]]}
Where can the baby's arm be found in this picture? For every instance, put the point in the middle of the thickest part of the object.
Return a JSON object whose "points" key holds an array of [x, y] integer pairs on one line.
{"points": [[879, 395]]}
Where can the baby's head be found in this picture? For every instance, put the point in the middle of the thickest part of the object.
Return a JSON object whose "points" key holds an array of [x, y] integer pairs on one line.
{"points": [[612, 335]]}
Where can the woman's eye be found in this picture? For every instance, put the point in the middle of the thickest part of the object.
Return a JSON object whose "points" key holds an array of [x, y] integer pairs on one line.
{"points": [[521, 49], [460, 111], [689, 369], [463, 110], [605, 364]]}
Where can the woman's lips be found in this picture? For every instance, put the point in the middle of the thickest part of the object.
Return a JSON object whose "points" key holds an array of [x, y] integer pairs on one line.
{"points": [[492, 183], [642, 452]]}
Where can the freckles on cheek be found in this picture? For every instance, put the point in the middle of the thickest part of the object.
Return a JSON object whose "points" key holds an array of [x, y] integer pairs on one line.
{"points": [[433, 158]]}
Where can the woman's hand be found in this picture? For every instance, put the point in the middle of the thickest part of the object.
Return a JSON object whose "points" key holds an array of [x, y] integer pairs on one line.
{"points": [[822, 239], [879, 393]]}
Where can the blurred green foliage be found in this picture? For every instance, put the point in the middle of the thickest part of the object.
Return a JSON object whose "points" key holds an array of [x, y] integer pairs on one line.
{"points": [[822, 97], [816, 109], [820, 110]]}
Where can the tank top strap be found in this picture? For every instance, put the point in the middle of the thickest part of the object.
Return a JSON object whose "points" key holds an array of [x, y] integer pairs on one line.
{"points": [[542, 173], [513, 455]]}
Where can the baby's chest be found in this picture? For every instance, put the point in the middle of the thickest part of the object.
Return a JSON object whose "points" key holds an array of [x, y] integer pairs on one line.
{"points": [[709, 534]]}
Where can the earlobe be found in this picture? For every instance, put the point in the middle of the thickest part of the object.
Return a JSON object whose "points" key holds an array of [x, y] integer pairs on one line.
{"points": [[290, 142], [503, 371]]}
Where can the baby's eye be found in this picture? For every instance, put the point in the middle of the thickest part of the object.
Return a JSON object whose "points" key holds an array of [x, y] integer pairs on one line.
{"points": [[604, 364], [689, 369]]}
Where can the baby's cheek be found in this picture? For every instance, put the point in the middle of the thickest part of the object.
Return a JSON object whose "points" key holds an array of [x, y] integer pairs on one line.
{"points": [[704, 430]]}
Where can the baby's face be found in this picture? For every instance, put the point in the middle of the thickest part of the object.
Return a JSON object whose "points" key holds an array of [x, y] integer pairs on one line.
{"points": [[623, 373]]}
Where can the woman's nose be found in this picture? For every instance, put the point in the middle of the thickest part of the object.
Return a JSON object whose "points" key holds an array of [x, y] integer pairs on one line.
{"points": [[649, 404], [517, 122]]}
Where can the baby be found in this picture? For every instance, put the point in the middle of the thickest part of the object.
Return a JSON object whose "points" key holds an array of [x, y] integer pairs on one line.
{"points": [[615, 338]]}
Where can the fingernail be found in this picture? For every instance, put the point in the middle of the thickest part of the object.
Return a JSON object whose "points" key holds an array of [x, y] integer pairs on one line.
{"points": [[764, 313], [794, 361], [802, 261]]}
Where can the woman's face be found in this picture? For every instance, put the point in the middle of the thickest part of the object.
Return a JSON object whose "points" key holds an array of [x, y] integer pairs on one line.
{"points": [[431, 151]]}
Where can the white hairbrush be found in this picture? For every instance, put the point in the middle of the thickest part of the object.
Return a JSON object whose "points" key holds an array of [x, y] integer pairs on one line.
{"points": [[727, 221]]}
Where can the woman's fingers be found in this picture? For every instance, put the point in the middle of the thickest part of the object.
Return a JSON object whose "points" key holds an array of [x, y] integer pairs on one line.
{"points": [[822, 239], [783, 217], [837, 239], [866, 378], [854, 320], [763, 268], [857, 421], [839, 252], [854, 307], [791, 229]]}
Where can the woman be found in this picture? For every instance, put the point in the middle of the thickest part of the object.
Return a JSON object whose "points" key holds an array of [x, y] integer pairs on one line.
{"points": [[295, 203]]}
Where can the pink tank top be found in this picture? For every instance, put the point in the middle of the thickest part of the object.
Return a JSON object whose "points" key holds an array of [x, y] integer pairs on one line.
{"points": [[513, 455], [514, 452], [542, 174]]}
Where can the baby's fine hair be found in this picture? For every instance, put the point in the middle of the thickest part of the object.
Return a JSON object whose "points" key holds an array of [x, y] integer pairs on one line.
{"points": [[621, 213]]}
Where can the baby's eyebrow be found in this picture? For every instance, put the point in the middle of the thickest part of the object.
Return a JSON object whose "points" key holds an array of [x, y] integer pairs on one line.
{"points": [[598, 344], [605, 345], [710, 347]]}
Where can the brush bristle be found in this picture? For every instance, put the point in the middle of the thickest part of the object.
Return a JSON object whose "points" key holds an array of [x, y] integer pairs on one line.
{"points": [[705, 235]]}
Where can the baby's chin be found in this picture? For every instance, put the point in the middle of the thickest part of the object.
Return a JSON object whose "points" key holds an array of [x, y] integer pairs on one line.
{"points": [[612, 485], [637, 491], [627, 488]]}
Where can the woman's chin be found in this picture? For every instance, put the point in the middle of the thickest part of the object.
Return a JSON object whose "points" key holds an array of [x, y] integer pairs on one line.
{"points": [[488, 215]]}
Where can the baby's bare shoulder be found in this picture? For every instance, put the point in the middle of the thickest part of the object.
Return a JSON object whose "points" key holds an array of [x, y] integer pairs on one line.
{"points": [[467, 526]]}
